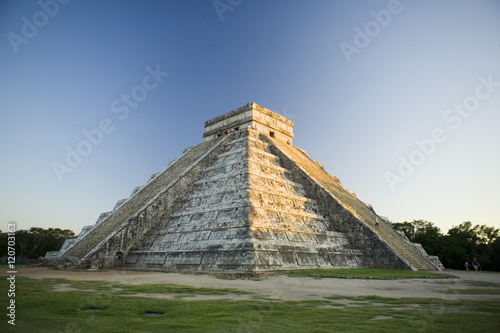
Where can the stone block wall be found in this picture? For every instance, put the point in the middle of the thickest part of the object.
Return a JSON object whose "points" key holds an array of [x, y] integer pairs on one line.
{"points": [[133, 231], [288, 231], [244, 213], [381, 245], [136, 202], [244, 201], [207, 229], [253, 116]]}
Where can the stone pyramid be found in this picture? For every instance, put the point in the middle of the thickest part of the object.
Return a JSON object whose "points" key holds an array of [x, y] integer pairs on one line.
{"points": [[243, 200]]}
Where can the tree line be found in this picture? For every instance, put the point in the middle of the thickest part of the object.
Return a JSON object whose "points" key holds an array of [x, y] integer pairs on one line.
{"points": [[460, 244], [35, 243]]}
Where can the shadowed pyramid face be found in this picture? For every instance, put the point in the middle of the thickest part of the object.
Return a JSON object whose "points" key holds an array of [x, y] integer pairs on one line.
{"points": [[243, 200]]}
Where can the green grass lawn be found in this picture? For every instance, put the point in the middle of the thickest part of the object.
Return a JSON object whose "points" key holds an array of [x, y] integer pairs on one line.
{"points": [[6, 267], [100, 306]]}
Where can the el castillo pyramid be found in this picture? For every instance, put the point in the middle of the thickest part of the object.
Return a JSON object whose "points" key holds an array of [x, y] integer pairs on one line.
{"points": [[244, 200]]}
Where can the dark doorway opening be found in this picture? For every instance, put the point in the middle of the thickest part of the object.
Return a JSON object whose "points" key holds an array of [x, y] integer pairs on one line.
{"points": [[118, 259]]}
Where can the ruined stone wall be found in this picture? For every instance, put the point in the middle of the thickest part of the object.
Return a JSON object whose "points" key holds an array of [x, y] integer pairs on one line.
{"points": [[130, 207]]}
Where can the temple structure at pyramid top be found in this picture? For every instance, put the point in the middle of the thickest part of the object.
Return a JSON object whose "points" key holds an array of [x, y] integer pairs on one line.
{"points": [[250, 116], [243, 200]]}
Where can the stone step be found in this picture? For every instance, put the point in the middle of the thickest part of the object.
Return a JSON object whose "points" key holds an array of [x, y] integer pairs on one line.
{"points": [[347, 200]]}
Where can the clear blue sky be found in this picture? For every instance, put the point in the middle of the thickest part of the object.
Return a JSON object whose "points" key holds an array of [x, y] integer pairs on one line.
{"points": [[364, 81]]}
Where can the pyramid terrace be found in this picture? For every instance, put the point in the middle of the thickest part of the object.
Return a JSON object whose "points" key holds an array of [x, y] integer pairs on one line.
{"points": [[243, 200]]}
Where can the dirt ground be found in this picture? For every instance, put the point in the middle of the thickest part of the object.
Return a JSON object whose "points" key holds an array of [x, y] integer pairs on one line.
{"points": [[289, 288]]}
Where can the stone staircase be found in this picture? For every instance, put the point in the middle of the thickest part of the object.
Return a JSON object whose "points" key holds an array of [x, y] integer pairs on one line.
{"points": [[244, 200], [85, 245], [245, 213], [208, 228], [288, 231], [407, 251], [299, 159]]}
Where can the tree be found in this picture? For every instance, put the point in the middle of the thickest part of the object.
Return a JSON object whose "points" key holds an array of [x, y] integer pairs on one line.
{"points": [[488, 235], [415, 228], [36, 242], [461, 243], [494, 254], [408, 228], [451, 253], [476, 242], [429, 236]]}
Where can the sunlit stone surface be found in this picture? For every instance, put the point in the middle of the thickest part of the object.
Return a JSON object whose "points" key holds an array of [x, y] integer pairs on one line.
{"points": [[243, 200]]}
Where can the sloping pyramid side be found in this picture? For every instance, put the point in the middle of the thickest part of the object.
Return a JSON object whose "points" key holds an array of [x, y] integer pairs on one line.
{"points": [[208, 229], [245, 202], [171, 182], [359, 224], [247, 213], [288, 231]]}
